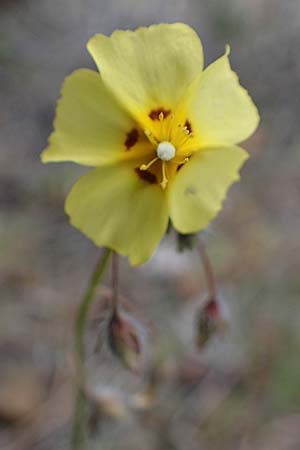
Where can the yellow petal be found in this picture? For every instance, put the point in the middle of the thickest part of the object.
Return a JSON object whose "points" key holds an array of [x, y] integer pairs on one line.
{"points": [[200, 187], [221, 110], [115, 208], [150, 67], [90, 126]]}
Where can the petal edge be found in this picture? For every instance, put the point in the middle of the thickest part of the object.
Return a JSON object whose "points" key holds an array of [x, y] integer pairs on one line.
{"points": [[200, 187], [221, 108]]}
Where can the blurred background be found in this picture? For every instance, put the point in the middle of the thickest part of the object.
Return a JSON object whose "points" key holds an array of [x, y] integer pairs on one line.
{"points": [[243, 390]]}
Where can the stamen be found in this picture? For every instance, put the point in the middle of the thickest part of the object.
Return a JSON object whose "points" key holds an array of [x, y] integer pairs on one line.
{"points": [[151, 138], [184, 161], [169, 128], [146, 166], [184, 128], [164, 180], [161, 117], [185, 135], [188, 125]]}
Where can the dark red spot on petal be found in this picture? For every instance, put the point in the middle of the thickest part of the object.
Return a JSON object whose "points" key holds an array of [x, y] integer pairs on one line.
{"points": [[188, 126], [146, 175], [131, 138], [154, 114]]}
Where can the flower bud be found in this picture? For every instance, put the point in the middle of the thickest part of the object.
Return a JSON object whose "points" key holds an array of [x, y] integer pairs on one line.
{"points": [[124, 341], [210, 321]]}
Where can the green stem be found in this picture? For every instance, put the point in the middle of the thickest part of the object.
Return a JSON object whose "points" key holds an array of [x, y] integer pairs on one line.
{"points": [[79, 418]]}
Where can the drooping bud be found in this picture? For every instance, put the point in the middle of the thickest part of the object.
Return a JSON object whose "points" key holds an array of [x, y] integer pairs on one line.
{"points": [[210, 320], [125, 341]]}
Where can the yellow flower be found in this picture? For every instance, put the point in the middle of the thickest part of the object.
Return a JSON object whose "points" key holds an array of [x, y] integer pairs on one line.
{"points": [[160, 131]]}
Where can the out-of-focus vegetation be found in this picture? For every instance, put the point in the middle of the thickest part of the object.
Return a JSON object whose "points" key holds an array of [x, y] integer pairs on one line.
{"points": [[242, 391]]}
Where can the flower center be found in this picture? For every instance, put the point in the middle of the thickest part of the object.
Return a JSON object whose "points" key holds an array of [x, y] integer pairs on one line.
{"points": [[171, 144], [165, 151]]}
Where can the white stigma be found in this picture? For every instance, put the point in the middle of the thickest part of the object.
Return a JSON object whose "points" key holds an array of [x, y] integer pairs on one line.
{"points": [[165, 151]]}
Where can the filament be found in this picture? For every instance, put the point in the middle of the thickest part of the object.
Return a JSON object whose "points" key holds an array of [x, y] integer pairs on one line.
{"points": [[146, 166]]}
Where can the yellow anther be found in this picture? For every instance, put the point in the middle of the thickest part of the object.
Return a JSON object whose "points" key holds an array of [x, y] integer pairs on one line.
{"points": [[161, 116], [183, 135], [146, 166], [186, 130]]}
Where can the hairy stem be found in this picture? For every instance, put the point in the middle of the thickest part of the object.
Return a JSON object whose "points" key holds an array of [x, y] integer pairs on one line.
{"points": [[115, 283], [79, 418], [208, 270]]}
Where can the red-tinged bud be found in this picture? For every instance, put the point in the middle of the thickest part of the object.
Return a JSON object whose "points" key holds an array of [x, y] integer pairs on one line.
{"points": [[211, 320], [125, 342]]}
